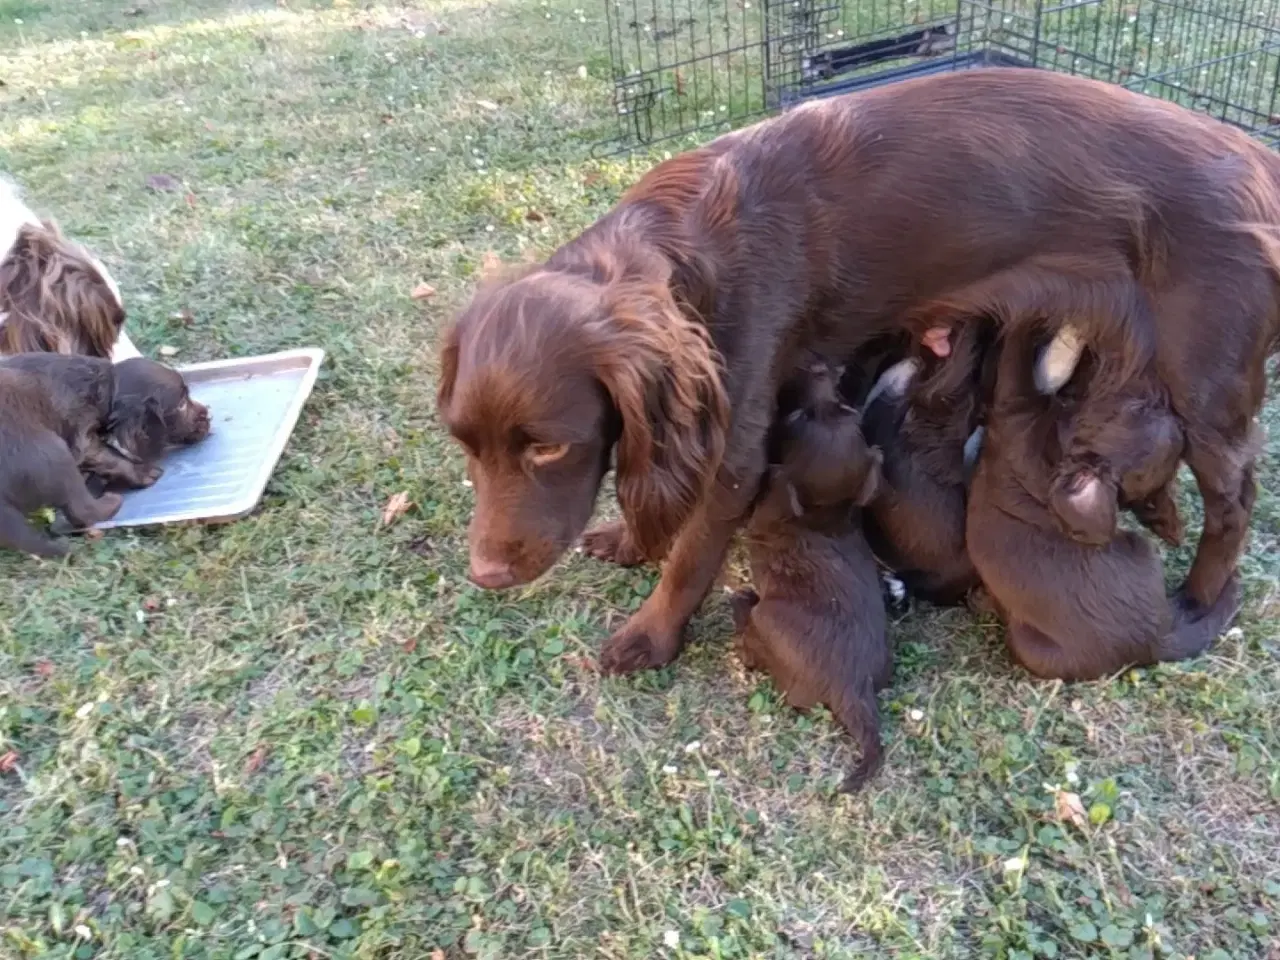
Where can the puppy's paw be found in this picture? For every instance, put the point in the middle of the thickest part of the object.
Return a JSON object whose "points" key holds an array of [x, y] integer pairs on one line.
{"points": [[638, 646], [612, 543], [1057, 361], [893, 383], [107, 506], [148, 473]]}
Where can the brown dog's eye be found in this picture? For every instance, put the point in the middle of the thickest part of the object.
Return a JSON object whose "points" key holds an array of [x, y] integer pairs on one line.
{"points": [[540, 454]]}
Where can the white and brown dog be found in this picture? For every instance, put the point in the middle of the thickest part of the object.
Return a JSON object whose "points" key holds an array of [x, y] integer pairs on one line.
{"points": [[55, 297]]}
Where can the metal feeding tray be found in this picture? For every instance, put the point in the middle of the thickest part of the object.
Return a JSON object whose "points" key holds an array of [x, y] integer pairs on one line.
{"points": [[254, 404]]}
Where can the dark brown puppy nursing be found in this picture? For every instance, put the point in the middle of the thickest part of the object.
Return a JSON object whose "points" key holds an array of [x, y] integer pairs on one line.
{"points": [[1073, 610], [62, 417], [922, 413], [815, 621]]}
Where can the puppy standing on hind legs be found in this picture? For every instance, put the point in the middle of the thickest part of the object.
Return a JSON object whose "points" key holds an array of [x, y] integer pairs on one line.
{"points": [[1074, 610], [817, 624]]}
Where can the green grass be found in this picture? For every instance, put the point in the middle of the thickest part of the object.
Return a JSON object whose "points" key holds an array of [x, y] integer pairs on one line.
{"points": [[303, 734]]}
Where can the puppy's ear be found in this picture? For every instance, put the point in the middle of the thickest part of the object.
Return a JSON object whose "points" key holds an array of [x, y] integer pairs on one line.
{"points": [[138, 428], [871, 480], [663, 374], [1086, 506]]}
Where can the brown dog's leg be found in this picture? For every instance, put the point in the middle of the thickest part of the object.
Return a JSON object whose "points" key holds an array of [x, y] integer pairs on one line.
{"points": [[655, 633], [1225, 475], [741, 603], [83, 510], [1159, 514], [613, 543], [17, 534], [1046, 658], [102, 460]]}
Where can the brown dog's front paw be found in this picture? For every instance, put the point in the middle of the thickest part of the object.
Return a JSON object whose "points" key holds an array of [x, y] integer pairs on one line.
{"points": [[612, 543], [638, 647], [147, 474]]}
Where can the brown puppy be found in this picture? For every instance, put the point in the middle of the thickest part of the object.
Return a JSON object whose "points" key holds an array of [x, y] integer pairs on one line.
{"points": [[51, 416], [151, 411], [1073, 611], [923, 414], [664, 330], [66, 419], [817, 622], [1120, 450]]}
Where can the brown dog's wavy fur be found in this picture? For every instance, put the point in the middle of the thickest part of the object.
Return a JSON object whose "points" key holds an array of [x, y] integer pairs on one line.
{"points": [[832, 225], [55, 299], [663, 374]]}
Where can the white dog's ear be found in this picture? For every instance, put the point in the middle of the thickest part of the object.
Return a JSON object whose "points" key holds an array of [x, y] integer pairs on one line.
{"points": [[1058, 360]]}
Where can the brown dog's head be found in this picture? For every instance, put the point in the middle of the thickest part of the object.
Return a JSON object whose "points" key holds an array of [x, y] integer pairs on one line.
{"points": [[55, 297], [825, 459], [152, 410], [542, 376]]}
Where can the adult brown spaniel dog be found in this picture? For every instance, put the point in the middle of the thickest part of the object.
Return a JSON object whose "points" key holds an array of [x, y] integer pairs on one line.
{"points": [[665, 329]]}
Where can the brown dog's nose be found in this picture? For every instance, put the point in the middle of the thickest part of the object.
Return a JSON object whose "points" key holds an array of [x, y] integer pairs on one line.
{"points": [[491, 574]]}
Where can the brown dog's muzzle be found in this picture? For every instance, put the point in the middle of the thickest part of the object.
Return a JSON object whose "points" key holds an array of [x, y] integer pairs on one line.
{"points": [[195, 423]]}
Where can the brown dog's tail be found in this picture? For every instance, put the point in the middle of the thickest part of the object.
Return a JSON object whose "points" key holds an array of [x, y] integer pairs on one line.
{"points": [[1189, 638], [859, 716]]}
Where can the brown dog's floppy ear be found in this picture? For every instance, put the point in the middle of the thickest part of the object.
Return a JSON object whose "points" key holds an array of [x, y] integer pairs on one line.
{"points": [[448, 367], [663, 374], [137, 427]]}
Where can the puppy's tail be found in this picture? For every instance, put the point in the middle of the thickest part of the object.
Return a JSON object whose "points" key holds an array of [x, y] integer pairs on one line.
{"points": [[1189, 638], [17, 534], [859, 716]]}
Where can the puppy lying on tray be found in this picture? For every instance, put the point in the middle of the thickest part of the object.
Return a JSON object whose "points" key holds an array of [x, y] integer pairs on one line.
{"points": [[64, 419], [816, 620]]}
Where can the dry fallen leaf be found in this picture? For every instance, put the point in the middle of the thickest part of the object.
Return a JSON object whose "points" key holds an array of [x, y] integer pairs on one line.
{"points": [[1068, 807], [255, 761], [437, 954], [423, 291], [396, 508], [44, 668], [490, 263], [410, 645], [164, 181], [533, 216]]}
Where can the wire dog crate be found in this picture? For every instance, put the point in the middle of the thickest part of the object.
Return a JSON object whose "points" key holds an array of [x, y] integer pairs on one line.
{"points": [[683, 67]]}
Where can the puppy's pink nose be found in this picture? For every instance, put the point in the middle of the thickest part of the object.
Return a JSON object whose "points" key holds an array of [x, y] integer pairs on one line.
{"points": [[491, 574]]}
